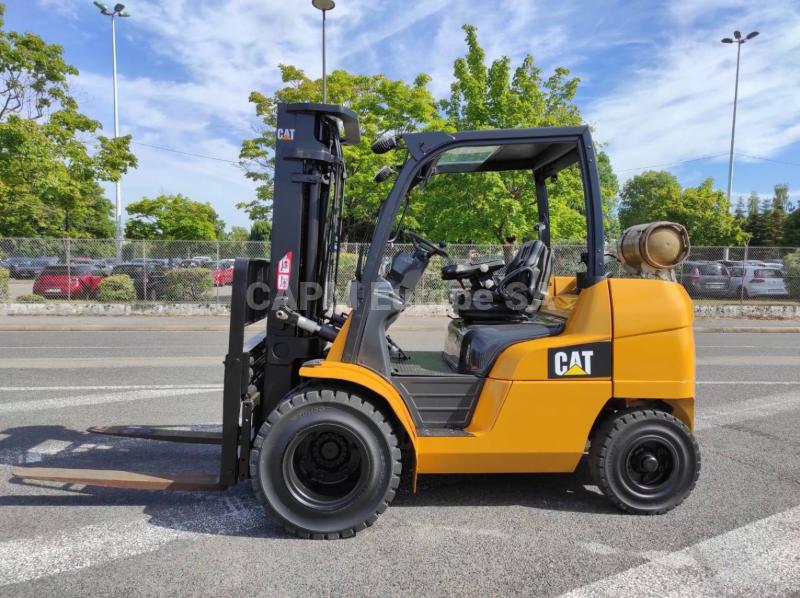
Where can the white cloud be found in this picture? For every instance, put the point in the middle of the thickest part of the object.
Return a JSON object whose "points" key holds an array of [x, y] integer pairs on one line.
{"points": [[677, 106]]}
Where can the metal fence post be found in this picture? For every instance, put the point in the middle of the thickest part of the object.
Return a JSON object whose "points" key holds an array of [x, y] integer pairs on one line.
{"points": [[69, 268], [744, 273], [216, 286], [144, 270]]}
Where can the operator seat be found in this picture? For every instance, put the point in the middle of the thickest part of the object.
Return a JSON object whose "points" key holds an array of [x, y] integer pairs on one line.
{"points": [[515, 295]]}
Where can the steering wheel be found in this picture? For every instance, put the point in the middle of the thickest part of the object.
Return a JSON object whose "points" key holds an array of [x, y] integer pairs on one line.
{"points": [[428, 247]]}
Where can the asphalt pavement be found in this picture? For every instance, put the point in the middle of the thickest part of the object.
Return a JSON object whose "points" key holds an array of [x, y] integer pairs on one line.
{"points": [[738, 534]]}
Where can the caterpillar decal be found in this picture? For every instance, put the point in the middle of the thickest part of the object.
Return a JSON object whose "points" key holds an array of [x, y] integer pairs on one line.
{"points": [[592, 360]]}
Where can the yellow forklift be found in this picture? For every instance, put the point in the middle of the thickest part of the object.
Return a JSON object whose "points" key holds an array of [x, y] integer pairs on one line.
{"points": [[322, 411]]}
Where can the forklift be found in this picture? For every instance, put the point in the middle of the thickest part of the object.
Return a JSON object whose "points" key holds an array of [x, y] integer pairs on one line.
{"points": [[323, 411]]}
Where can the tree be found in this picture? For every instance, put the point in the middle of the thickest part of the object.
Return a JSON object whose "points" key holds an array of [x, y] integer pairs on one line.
{"points": [[703, 210], [381, 105], [173, 217], [706, 214], [261, 230], [501, 207], [740, 209], [647, 197], [238, 233], [48, 177], [791, 229]]}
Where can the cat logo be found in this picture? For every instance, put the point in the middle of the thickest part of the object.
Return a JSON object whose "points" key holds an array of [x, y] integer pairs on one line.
{"points": [[592, 360], [285, 134]]}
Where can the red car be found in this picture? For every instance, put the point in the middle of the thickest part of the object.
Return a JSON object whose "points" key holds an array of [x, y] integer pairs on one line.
{"points": [[78, 281], [222, 272]]}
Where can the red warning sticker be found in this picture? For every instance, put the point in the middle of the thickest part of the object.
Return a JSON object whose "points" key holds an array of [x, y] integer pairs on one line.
{"points": [[284, 271]]}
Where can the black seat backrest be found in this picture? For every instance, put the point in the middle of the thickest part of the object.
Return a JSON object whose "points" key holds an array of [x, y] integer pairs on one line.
{"points": [[527, 275]]}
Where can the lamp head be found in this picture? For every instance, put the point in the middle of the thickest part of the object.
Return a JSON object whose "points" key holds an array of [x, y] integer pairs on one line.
{"points": [[737, 34], [752, 34], [323, 5], [726, 40]]}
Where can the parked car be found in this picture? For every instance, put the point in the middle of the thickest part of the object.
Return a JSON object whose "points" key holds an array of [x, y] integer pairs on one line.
{"points": [[75, 281], [758, 282], [706, 279], [222, 271], [148, 280], [30, 267]]}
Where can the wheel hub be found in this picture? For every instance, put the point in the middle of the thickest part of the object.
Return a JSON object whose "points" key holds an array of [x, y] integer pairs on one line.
{"points": [[648, 463]]}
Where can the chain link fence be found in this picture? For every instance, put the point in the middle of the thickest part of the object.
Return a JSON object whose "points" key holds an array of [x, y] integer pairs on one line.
{"points": [[201, 271]]}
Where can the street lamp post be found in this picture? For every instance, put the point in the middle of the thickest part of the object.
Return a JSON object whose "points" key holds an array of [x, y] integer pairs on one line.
{"points": [[117, 11], [738, 40], [324, 6]]}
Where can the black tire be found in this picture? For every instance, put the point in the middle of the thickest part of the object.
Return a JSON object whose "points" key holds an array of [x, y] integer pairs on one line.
{"points": [[326, 463], [621, 461]]}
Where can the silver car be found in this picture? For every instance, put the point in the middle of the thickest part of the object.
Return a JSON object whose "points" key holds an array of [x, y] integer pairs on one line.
{"points": [[758, 281]]}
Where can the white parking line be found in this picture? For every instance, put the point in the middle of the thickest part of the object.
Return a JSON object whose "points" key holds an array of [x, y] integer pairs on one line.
{"points": [[81, 401], [748, 382], [31, 558], [758, 559], [747, 409], [117, 387]]}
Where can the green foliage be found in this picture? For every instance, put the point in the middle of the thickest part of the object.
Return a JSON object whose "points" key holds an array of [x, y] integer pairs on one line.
{"points": [[493, 207], [116, 289], [48, 176], [31, 299], [792, 264], [768, 224], [791, 229], [261, 230], [238, 233], [704, 211], [188, 284], [381, 104], [173, 217], [4, 275]]}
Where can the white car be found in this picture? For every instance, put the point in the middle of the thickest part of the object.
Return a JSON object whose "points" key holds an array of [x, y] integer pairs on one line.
{"points": [[759, 281]]}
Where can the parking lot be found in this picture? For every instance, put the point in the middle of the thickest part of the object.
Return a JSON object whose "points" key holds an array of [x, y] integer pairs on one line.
{"points": [[738, 533]]}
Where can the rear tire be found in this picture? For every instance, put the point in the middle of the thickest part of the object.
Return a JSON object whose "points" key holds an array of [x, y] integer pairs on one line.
{"points": [[644, 460], [325, 464]]}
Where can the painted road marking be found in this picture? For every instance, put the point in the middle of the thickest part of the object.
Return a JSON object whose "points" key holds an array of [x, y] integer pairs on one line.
{"points": [[734, 360], [82, 401], [758, 559], [749, 382], [75, 363], [117, 387], [748, 409], [27, 559]]}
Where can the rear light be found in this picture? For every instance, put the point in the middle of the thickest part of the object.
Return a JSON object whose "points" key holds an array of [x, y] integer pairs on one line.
{"points": [[695, 274]]}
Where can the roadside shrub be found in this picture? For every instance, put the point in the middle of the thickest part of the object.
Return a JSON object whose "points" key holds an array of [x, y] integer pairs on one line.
{"points": [[116, 289], [188, 284], [31, 299], [3, 284], [792, 264]]}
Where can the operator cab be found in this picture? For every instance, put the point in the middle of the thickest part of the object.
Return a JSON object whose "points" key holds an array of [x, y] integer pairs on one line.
{"points": [[496, 302]]}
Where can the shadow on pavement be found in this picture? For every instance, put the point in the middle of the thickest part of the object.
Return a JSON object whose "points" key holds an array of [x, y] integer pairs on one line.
{"points": [[235, 511]]}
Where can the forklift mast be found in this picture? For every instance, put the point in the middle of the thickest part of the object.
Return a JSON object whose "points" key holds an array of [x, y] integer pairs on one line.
{"points": [[307, 202]]}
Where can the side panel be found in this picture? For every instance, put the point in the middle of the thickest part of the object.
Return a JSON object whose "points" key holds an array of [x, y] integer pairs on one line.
{"points": [[654, 353], [541, 427]]}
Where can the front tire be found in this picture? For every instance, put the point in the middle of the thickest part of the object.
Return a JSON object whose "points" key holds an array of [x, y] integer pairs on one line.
{"points": [[326, 463], [644, 460]]}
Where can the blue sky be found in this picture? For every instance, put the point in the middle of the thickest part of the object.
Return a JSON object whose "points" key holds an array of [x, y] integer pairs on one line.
{"points": [[657, 83]]}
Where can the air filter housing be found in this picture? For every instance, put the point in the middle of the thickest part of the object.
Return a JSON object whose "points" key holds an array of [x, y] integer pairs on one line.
{"points": [[653, 249]]}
